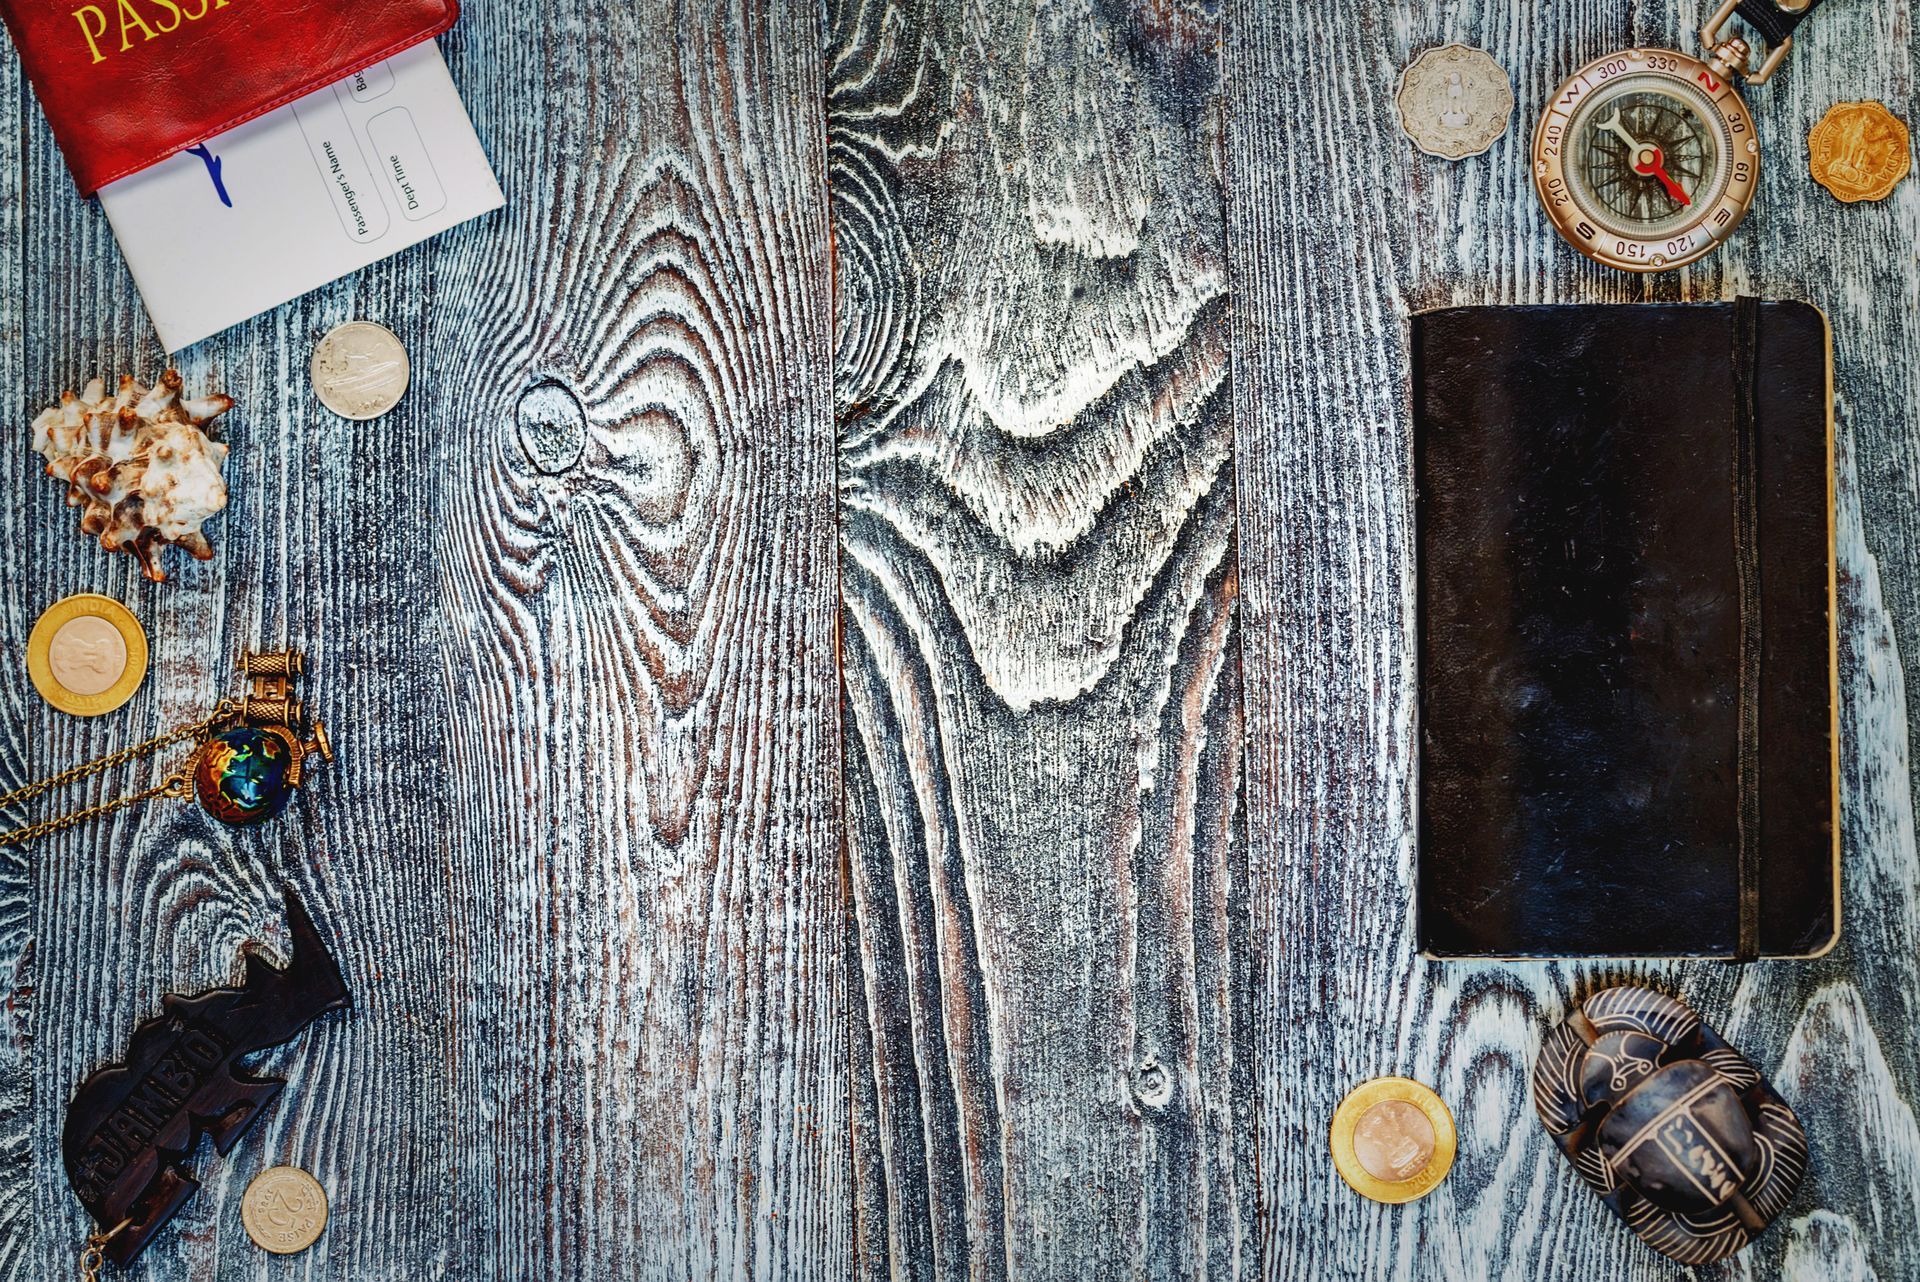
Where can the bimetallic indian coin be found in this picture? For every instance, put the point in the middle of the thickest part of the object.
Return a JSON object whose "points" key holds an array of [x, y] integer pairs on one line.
{"points": [[284, 1210], [360, 370], [1859, 151], [1392, 1139], [87, 654], [1454, 101]]}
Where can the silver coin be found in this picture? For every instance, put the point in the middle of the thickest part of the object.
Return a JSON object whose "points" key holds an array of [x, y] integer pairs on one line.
{"points": [[1454, 101], [360, 370]]}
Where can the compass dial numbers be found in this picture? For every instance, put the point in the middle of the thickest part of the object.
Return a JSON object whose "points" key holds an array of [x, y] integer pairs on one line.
{"points": [[1645, 159]]}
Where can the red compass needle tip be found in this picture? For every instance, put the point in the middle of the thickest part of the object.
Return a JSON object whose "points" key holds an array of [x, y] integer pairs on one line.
{"points": [[1657, 166]]}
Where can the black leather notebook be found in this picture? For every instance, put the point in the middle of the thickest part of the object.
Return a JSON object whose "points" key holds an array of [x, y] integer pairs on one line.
{"points": [[1627, 663]]}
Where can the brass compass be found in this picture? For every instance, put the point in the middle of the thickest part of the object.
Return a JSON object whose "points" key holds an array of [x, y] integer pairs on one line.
{"points": [[1647, 159]]}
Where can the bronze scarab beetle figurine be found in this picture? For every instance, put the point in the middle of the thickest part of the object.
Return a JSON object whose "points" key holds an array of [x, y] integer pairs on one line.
{"points": [[1668, 1124]]}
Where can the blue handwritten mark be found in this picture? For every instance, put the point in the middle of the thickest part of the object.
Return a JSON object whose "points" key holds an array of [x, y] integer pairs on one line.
{"points": [[213, 172]]}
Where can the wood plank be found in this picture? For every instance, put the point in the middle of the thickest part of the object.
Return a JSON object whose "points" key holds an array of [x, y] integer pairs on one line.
{"points": [[319, 546], [1339, 229], [1039, 647], [16, 876], [635, 493], [641, 1074]]}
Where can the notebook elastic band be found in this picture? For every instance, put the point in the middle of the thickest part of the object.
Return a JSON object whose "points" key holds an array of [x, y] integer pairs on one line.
{"points": [[1746, 557]]}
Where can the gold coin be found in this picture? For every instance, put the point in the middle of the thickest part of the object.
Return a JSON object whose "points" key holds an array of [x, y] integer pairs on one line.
{"points": [[1392, 1139], [1859, 151], [284, 1210], [87, 654]]}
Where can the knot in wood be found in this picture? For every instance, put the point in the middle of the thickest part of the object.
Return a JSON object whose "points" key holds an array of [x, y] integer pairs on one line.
{"points": [[1152, 1083], [552, 426]]}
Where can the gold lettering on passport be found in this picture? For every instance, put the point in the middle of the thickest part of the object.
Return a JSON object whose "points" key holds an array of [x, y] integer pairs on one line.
{"points": [[150, 18]]}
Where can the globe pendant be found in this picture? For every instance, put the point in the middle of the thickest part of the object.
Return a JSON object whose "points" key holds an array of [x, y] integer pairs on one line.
{"points": [[243, 775]]}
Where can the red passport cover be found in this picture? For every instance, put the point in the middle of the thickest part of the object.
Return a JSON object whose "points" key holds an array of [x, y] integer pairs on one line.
{"points": [[127, 83]]}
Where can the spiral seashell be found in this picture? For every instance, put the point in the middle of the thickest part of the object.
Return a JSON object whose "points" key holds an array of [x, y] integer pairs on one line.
{"points": [[139, 465]]}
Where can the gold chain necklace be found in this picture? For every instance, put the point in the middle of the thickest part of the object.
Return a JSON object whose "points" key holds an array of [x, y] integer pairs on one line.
{"points": [[248, 756], [178, 784], [94, 1256]]}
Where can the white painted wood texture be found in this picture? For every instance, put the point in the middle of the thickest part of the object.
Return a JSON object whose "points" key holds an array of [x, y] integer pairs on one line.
{"points": [[17, 1174], [1042, 673], [639, 649], [1062, 347], [1338, 230], [158, 899], [580, 853]]}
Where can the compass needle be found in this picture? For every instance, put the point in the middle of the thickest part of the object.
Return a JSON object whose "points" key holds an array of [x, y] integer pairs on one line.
{"points": [[1613, 126], [1659, 170]]}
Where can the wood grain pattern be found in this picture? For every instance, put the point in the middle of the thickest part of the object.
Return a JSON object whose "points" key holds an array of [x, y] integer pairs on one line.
{"points": [[161, 898], [639, 641], [1325, 502], [1061, 345], [580, 849], [16, 885], [1040, 658]]}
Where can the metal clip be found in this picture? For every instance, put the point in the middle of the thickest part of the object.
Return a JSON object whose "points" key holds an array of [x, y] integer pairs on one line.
{"points": [[1730, 56], [94, 1256]]}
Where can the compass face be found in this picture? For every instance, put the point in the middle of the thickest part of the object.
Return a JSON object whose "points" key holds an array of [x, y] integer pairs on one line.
{"points": [[1641, 156], [1645, 159]]}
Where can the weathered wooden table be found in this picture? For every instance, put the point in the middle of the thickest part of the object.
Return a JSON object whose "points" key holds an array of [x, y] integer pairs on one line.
{"points": [[873, 669]]}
